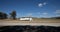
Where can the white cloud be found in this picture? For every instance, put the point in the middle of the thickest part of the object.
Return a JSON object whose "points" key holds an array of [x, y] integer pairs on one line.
{"points": [[44, 13], [29, 14], [42, 4], [57, 11], [38, 13]]}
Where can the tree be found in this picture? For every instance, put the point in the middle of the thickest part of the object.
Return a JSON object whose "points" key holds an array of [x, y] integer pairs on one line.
{"points": [[57, 17], [3, 15], [13, 14]]}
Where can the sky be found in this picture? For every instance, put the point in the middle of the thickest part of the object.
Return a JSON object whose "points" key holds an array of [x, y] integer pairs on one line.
{"points": [[33, 8]]}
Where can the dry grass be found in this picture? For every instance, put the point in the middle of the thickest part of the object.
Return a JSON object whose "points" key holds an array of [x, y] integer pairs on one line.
{"points": [[35, 20]]}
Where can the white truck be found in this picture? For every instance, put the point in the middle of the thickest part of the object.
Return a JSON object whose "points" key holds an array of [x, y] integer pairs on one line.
{"points": [[26, 18]]}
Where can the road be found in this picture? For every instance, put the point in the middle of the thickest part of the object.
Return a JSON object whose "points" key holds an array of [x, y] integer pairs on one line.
{"points": [[11, 23]]}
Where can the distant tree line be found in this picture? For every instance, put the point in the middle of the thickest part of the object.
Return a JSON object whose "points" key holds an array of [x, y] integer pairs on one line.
{"points": [[5, 16], [13, 15], [57, 17]]}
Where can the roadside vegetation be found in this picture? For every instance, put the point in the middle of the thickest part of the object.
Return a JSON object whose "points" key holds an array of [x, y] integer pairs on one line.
{"points": [[13, 16], [6, 16]]}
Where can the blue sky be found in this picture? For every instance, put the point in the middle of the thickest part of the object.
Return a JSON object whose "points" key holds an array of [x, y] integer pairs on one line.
{"points": [[34, 8]]}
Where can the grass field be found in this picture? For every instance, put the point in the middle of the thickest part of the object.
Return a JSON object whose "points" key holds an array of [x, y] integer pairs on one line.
{"points": [[35, 20]]}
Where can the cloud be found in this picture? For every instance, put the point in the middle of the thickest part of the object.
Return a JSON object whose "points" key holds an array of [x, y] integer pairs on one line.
{"points": [[45, 13], [42, 4], [38, 13], [29, 14], [57, 12]]}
